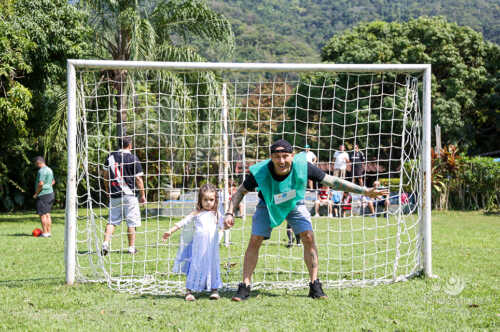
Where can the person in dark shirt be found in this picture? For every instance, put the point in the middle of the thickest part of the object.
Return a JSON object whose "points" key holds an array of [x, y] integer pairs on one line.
{"points": [[282, 182], [357, 159], [123, 177]]}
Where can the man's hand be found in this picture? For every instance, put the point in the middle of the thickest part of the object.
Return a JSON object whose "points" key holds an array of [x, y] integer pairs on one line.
{"points": [[376, 193], [142, 199], [166, 235], [35, 196], [228, 221]]}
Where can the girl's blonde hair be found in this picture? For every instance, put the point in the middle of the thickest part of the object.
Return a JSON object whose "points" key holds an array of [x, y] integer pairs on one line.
{"points": [[207, 188]]}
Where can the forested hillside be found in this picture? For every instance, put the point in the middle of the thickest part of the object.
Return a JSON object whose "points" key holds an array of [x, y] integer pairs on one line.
{"points": [[295, 30]]}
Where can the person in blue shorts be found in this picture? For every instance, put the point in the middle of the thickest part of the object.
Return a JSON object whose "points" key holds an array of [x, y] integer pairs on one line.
{"points": [[282, 182], [336, 197]]}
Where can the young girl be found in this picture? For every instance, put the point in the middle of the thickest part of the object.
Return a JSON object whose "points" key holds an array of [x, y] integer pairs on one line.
{"points": [[198, 255]]}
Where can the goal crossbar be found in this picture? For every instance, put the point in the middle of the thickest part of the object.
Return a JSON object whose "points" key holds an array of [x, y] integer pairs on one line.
{"points": [[249, 67]]}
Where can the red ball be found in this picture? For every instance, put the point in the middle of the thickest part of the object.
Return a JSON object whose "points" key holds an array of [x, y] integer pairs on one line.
{"points": [[36, 232]]}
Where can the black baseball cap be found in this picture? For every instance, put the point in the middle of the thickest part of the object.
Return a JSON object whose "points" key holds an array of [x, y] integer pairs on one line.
{"points": [[281, 145]]}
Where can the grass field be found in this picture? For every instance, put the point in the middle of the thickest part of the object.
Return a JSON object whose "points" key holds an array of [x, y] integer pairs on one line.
{"points": [[465, 254], [351, 250]]}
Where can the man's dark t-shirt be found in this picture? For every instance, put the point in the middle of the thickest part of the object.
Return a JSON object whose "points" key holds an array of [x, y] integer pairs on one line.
{"points": [[357, 158], [313, 173], [123, 167]]}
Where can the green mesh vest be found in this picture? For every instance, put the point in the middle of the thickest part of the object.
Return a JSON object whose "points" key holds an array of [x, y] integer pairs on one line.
{"points": [[281, 196]]}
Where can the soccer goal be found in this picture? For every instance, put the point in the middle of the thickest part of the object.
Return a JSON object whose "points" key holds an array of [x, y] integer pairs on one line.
{"points": [[193, 123]]}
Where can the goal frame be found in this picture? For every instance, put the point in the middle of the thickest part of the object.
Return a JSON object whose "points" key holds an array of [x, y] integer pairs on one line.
{"points": [[71, 185]]}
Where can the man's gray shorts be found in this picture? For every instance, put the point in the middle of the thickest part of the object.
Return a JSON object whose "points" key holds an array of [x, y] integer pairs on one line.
{"points": [[299, 219], [125, 207]]}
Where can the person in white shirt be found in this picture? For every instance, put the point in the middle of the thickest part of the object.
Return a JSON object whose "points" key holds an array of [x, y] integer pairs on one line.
{"points": [[341, 160], [311, 158]]}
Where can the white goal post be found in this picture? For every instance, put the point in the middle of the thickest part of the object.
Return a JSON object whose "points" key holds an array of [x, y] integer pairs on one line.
{"points": [[191, 127]]}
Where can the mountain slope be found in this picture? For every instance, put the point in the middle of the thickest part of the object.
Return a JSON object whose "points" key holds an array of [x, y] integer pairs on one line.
{"points": [[293, 30]]}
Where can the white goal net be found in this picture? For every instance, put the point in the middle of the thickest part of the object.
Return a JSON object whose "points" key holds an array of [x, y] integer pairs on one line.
{"points": [[192, 124]]}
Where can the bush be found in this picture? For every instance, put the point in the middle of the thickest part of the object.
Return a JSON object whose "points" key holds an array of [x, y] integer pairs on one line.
{"points": [[460, 182], [477, 185]]}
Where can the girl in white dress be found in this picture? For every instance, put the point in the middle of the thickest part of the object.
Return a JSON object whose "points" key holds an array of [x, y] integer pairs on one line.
{"points": [[198, 254]]}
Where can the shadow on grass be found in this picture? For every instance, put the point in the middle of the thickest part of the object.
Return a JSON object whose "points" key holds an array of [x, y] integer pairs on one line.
{"points": [[31, 216], [110, 254], [19, 234], [20, 283], [225, 294]]}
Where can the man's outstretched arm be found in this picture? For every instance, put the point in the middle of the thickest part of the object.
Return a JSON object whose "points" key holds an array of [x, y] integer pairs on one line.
{"points": [[339, 184], [236, 198]]}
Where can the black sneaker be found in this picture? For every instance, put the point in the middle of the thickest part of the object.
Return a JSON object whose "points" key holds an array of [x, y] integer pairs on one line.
{"points": [[289, 234], [105, 249], [243, 293], [316, 290]]}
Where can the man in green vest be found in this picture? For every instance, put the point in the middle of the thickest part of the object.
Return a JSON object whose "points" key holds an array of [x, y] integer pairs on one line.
{"points": [[44, 195], [282, 182]]}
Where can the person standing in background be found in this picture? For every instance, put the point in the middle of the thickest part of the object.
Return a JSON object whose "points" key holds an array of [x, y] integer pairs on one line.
{"points": [[357, 159], [311, 158], [341, 159], [44, 195], [123, 179]]}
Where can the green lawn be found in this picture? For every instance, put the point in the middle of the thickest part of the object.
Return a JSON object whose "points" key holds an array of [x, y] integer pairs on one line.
{"points": [[465, 251], [351, 250]]}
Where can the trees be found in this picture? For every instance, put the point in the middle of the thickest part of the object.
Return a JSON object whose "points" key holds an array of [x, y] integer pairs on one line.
{"points": [[36, 38], [465, 79], [161, 31], [141, 30], [15, 103], [264, 29]]}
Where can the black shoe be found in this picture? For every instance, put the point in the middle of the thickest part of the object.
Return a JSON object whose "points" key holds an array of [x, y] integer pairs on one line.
{"points": [[316, 290], [105, 249], [289, 234], [243, 293]]}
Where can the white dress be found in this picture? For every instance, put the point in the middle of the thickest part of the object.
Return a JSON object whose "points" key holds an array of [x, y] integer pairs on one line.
{"points": [[198, 254]]}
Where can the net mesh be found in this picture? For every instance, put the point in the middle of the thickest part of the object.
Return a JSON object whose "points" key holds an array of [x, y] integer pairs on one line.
{"points": [[193, 127]]}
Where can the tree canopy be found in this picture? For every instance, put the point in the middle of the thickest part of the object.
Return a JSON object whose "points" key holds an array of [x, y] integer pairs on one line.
{"points": [[465, 72], [295, 31], [141, 30], [36, 38]]}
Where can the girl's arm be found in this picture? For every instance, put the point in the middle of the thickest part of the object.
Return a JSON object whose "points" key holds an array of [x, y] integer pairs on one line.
{"points": [[179, 225]]}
